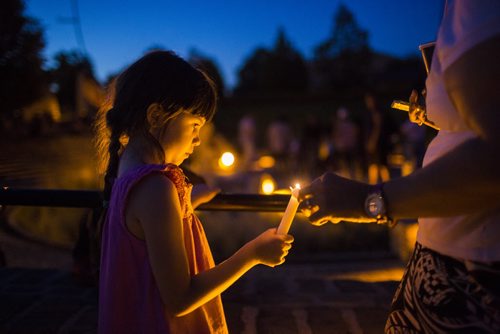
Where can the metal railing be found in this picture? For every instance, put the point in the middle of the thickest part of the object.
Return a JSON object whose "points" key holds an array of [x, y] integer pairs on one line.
{"points": [[93, 199]]}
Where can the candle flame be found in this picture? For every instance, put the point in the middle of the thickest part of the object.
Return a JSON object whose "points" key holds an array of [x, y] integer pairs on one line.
{"points": [[295, 191]]}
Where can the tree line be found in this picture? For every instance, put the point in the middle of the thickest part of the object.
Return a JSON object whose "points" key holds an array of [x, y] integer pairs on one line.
{"points": [[343, 65]]}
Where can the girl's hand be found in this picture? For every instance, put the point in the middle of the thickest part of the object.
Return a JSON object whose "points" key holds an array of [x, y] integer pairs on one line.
{"points": [[202, 193], [271, 248]]}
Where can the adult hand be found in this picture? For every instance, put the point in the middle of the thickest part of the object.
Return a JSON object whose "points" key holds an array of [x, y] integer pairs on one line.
{"points": [[417, 112], [334, 198], [202, 193]]}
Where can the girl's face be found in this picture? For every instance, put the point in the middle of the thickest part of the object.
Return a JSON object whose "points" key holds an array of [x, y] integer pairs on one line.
{"points": [[181, 136]]}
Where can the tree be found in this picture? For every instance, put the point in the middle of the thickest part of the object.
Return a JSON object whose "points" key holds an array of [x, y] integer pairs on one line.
{"points": [[288, 69], [279, 70], [342, 62], [22, 79], [346, 37], [251, 76]]}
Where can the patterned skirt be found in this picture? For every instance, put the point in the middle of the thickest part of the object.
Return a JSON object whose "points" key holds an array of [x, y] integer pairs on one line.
{"points": [[440, 294]]}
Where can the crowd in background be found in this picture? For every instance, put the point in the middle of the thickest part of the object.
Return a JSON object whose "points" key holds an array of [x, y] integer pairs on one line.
{"points": [[367, 146]]}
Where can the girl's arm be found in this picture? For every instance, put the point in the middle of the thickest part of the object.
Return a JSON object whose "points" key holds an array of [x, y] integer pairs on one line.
{"points": [[269, 248], [155, 204]]}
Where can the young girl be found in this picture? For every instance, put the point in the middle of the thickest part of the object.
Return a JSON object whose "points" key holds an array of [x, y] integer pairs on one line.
{"points": [[157, 274]]}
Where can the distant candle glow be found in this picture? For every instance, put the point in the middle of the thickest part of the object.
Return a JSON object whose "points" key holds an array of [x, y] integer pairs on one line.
{"points": [[226, 160], [266, 161], [267, 184]]}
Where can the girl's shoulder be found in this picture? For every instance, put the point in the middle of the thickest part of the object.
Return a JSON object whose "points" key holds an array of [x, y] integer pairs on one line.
{"points": [[153, 204], [149, 181], [153, 191], [154, 187], [176, 175], [155, 181], [136, 174]]}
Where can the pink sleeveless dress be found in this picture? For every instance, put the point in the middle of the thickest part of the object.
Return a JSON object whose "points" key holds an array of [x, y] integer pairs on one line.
{"points": [[129, 299]]}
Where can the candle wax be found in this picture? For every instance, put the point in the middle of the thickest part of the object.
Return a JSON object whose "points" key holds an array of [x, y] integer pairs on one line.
{"points": [[291, 209]]}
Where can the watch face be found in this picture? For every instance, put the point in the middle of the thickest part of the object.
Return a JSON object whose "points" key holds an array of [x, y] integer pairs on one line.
{"points": [[374, 205]]}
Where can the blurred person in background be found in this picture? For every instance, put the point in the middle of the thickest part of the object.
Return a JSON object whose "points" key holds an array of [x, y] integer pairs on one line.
{"points": [[413, 140], [247, 135], [345, 136], [311, 137], [279, 139], [377, 138]]}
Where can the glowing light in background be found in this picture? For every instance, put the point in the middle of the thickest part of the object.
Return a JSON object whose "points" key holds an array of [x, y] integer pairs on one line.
{"points": [[323, 150], [226, 160], [266, 161], [411, 235], [267, 187], [267, 184], [374, 275]]}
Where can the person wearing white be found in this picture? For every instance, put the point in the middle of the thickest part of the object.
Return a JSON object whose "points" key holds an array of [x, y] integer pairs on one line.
{"points": [[451, 281]]}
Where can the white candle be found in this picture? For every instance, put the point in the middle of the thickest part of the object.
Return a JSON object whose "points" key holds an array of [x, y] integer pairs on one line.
{"points": [[291, 209]]}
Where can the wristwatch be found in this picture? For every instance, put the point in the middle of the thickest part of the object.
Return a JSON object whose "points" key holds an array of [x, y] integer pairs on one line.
{"points": [[376, 206]]}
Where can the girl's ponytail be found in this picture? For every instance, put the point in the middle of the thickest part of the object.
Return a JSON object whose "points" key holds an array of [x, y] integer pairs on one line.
{"points": [[114, 149], [108, 132]]}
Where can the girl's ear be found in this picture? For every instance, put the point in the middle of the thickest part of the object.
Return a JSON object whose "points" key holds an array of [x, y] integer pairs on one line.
{"points": [[154, 115]]}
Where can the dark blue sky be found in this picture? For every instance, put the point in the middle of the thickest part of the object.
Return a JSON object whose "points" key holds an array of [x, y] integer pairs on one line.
{"points": [[118, 32]]}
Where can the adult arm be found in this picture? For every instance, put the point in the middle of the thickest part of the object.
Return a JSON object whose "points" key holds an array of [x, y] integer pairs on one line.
{"points": [[463, 181]]}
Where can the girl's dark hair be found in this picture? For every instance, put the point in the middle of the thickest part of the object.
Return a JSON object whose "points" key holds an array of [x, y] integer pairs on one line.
{"points": [[159, 77]]}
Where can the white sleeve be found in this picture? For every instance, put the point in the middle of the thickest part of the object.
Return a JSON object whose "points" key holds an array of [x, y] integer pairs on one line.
{"points": [[465, 24]]}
